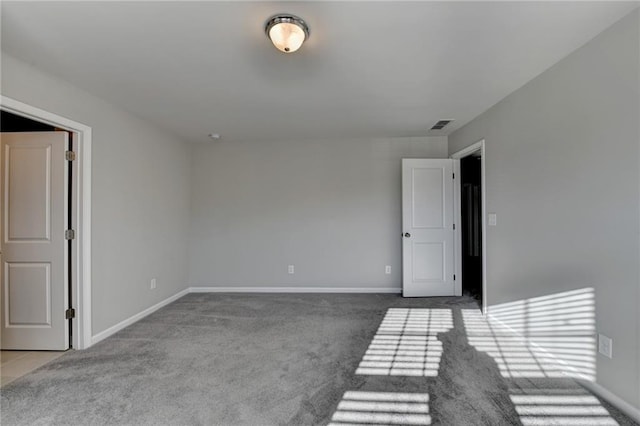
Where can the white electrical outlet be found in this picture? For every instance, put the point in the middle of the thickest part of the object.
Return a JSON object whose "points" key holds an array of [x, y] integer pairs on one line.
{"points": [[387, 269], [291, 269], [153, 284], [493, 219], [605, 345]]}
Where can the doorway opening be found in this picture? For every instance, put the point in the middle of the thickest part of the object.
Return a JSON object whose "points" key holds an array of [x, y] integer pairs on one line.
{"points": [[14, 123], [471, 225], [11, 124], [471, 244], [79, 206]]}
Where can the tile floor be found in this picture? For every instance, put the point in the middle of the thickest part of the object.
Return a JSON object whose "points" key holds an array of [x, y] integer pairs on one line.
{"points": [[15, 364]]}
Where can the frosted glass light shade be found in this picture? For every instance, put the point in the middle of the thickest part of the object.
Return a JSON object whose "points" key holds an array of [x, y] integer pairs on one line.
{"points": [[287, 33]]}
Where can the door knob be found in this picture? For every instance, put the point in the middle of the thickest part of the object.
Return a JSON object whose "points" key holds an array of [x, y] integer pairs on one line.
{"points": [[407, 235]]}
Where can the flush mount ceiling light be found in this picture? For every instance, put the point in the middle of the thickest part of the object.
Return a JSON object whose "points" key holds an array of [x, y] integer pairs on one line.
{"points": [[286, 32]]}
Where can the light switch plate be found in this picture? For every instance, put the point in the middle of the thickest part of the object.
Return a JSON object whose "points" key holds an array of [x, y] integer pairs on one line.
{"points": [[493, 219]]}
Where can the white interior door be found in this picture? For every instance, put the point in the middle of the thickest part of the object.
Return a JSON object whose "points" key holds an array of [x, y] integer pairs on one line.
{"points": [[34, 292], [427, 221]]}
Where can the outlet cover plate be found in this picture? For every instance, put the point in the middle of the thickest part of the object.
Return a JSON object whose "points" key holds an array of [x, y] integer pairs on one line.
{"points": [[605, 345]]}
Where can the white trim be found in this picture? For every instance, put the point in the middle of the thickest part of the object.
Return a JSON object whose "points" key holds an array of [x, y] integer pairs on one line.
{"points": [[215, 289], [457, 232], [465, 152], [611, 398], [137, 317], [81, 291], [478, 146]]}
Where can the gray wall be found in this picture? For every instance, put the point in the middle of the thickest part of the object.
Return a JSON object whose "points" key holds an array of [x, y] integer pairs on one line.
{"points": [[562, 170], [140, 196], [331, 208]]}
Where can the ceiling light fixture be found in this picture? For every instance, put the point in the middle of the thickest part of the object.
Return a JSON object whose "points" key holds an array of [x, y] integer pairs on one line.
{"points": [[286, 32]]}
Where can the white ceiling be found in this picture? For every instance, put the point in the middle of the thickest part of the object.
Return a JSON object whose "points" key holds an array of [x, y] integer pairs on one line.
{"points": [[369, 69]]}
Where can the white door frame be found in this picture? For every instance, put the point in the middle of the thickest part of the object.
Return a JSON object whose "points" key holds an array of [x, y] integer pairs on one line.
{"points": [[81, 199], [465, 152]]}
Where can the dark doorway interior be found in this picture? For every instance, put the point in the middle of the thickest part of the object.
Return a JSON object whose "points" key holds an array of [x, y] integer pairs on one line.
{"points": [[14, 123], [471, 204]]}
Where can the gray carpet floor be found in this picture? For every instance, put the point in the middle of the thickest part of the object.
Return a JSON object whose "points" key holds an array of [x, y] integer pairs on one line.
{"points": [[304, 359]]}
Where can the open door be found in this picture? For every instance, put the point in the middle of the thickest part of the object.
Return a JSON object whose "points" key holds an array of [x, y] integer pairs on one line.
{"points": [[34, 291], [428, 234]]}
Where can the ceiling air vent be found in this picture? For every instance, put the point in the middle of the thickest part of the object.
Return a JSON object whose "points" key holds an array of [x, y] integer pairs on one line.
{"points": [[440, 124]]}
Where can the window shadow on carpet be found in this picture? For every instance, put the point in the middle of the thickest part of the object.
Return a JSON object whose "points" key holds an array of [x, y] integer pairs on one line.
{"points": [[464, 368]]}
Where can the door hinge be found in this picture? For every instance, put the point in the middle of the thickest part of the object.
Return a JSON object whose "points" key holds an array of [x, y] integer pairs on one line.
{"points": [[454, 226], [69, 313], [454, 175], [70, 155], [454, 277], [69, 234]]}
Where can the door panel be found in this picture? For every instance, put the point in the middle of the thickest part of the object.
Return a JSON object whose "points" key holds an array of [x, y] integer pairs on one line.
{"points": [[428, 262], [427, 219], [428, 197], [29, 294], [28, 179], [34, 287]]}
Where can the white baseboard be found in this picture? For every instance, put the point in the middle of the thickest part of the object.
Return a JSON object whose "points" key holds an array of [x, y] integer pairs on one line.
{"points": [[215, 289], [612, 399], [114, 329], [122, 324]]}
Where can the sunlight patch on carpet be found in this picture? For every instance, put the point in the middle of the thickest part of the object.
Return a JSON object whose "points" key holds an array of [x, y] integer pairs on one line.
{"points": [[406, 343], [390, 408]]}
